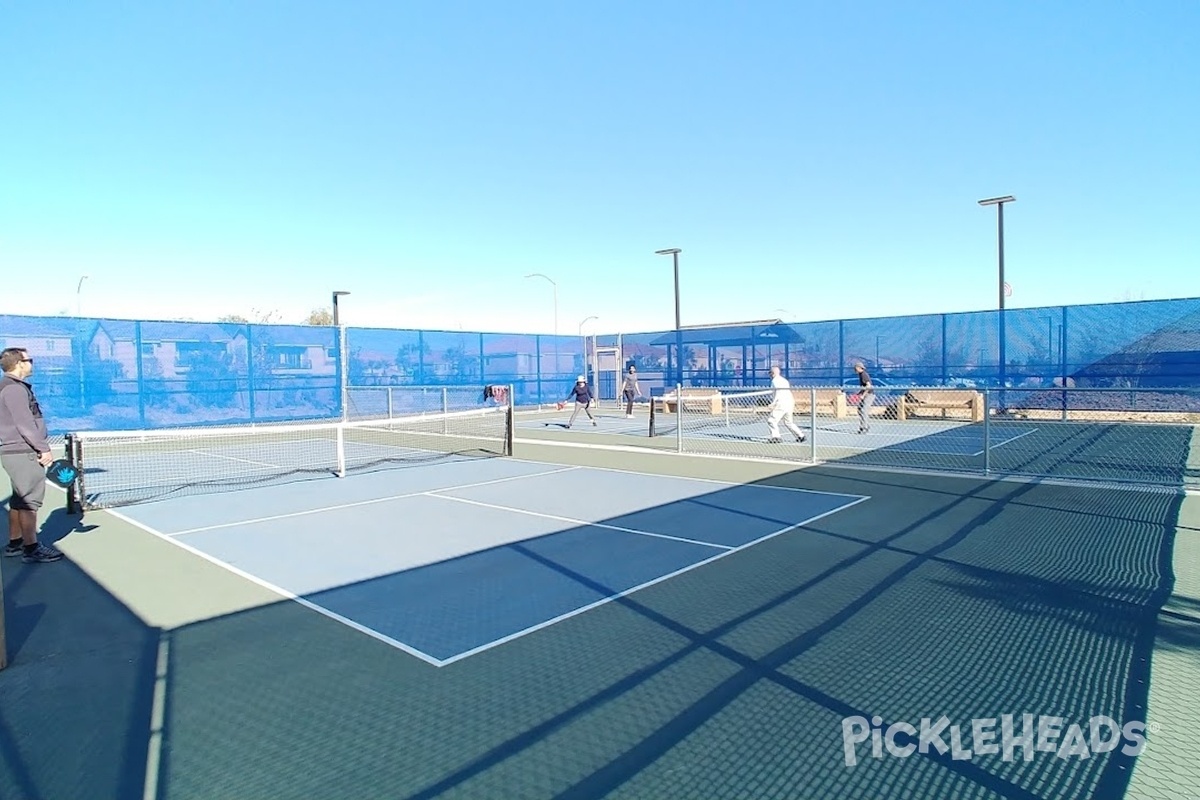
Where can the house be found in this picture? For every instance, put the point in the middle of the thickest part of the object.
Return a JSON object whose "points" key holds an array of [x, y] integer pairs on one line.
{"points": [[169, 350], [1167, 357], [50, 341]]}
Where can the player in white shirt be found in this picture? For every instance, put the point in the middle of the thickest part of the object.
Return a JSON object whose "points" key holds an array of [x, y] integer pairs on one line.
{"points": [[781, 409]]}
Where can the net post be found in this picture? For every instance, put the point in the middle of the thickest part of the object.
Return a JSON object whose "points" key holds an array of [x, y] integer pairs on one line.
{"points": [[77, 461], [445, 410], [72, 500], [652, 407], [678, 418], [512, 421], [987, 432], [341, 450], [812, 424]]}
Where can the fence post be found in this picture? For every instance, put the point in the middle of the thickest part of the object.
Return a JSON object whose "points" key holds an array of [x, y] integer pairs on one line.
{"points": [[679, 418], [812, 425], [250, 370], [389, 402], [343, 376], [141, 379], [987, 432], [445, 411], [537, 351]]}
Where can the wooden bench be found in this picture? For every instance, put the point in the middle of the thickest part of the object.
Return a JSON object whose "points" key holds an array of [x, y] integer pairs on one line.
{"points": [[916, 401], [830, 402], [702, 400]]}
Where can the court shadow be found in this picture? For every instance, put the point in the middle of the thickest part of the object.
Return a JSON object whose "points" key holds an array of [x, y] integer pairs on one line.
{"points": [[730, 679], [76, 697], [1156, 454]]}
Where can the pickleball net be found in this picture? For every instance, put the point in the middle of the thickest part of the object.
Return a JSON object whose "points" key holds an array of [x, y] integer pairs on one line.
{"points": [[709, 410], [119, 468]]}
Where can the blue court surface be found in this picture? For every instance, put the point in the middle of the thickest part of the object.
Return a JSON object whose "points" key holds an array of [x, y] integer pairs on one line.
{"points": [[452, 559]]}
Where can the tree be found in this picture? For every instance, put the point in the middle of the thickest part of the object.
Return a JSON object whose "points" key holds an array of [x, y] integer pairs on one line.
{"points": [[319, 316], [257, 316]]}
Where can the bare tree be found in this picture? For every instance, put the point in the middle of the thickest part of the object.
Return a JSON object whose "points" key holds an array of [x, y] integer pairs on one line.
{"points": [[320, 316]]}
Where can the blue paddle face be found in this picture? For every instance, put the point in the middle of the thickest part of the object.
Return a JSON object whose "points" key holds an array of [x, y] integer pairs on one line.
{"points": [[62, 473]]}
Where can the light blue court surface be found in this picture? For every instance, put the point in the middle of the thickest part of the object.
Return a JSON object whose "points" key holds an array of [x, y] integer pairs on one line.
{"points": [[452, 559], [918, 436]]}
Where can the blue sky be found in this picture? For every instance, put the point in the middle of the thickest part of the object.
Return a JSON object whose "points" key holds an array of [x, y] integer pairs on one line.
{"points": [[812, 160]]}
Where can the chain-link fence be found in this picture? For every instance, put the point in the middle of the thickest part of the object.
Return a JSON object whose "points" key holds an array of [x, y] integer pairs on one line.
{"points": [[1139, 436]]}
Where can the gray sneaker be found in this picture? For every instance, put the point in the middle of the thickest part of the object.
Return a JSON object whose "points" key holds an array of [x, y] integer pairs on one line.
{"points": [[42, 554], [13, 549]]}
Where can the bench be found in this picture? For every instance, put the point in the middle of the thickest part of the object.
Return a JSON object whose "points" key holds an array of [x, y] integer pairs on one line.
{"points": [[702, 400], [966, 401], [830, 402]]}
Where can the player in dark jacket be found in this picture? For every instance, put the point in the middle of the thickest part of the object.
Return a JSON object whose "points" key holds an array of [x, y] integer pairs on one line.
{"points": [[583, 399]]}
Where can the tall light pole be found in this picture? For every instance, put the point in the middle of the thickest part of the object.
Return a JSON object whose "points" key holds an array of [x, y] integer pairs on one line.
{"points": [[999, 202], [583, 339], [674, 252], [555, 285]]}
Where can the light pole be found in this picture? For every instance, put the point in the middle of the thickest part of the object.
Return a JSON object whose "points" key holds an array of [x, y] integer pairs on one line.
{"points": [[999, 202], [583, 340], [79, 296], [555, 285], [674, 252]]}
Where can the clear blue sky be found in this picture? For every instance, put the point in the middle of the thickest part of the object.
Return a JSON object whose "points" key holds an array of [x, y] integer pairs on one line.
{"points": [[202, 158]]}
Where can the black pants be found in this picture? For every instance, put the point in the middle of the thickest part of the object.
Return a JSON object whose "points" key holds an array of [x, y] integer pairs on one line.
{"points": [[628, 402]]}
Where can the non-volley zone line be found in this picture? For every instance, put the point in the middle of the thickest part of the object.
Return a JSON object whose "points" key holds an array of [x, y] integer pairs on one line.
{"points": [[371, 501]]}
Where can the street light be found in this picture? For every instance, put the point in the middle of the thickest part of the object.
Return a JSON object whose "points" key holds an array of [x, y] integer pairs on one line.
{"points": [[336, 295], [78, 296], [999, 202], [583, 339], [555, 285], [674, 253]]}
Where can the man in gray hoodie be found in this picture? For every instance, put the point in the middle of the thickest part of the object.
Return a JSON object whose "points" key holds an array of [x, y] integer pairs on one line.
{"points": [[25, 454]]}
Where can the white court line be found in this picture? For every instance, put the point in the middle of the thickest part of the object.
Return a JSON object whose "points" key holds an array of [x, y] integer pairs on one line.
{"points": [[284, 593], [583, 609], [672, 453], [1006, 441], [210, 454], [580, 522], [372, 501]]}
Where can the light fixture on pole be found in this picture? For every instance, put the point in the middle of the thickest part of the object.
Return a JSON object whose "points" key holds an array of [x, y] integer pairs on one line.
{"points": [[674, 253], [555, 286], [336, 319], [999, 202]]}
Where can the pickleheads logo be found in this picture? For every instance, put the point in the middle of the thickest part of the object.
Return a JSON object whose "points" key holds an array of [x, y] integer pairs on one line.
{"points": [[1002, 736]]}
